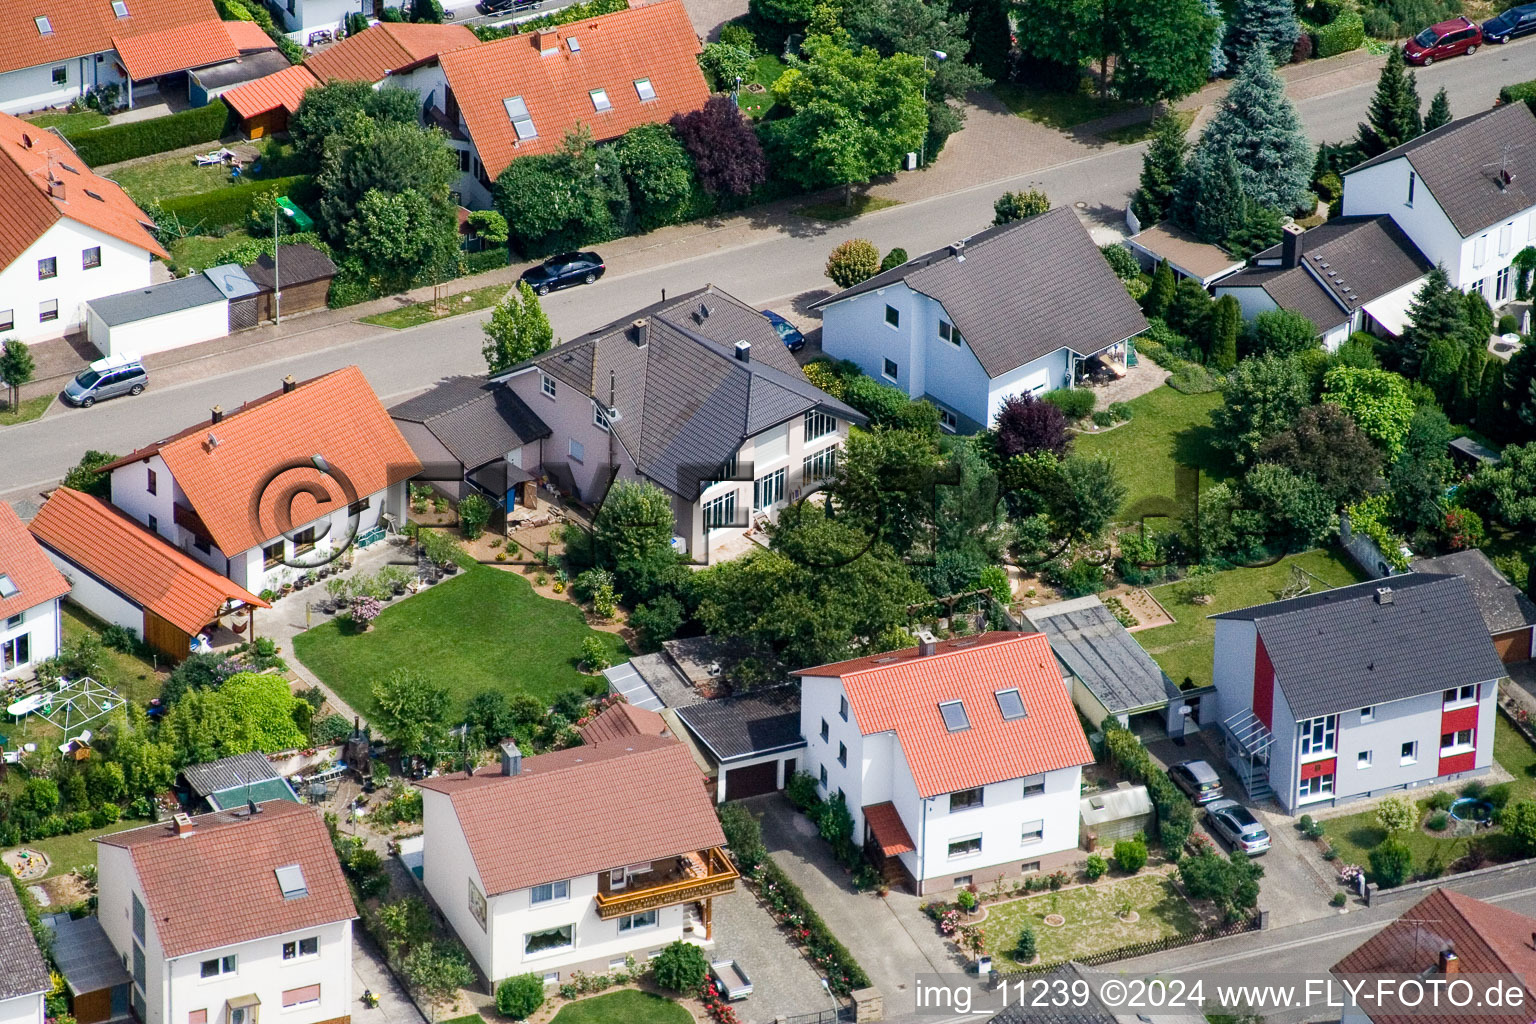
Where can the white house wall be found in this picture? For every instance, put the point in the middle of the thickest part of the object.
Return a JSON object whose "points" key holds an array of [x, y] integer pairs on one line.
{"points": [[1391, 309], [1232, 666], [447, 869], [261, 969], [41, 624], [301, 17], [96, 597], [123, 268], [27, 89], [164, 332], [22, 1010], [1384, 189], [1496, 255], [1047, 373]]}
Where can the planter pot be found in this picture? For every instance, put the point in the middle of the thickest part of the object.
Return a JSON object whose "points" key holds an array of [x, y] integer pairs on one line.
{"points": [[450, 567], [1130, 918], [399, 589]]}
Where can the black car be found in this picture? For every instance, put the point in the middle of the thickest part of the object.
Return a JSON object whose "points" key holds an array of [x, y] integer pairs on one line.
{"points": [[514, 6], [1511, 24], [564, 270]]}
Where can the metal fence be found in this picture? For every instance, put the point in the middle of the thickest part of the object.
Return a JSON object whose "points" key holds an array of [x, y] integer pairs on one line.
{"points": [[829, 1016]]}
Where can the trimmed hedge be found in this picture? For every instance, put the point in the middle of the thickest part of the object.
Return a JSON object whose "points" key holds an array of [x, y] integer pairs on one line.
{"points": [[1175, 814], [229, 207], [786, 901], [1519, 91], [1343, 34], [120, 142]]}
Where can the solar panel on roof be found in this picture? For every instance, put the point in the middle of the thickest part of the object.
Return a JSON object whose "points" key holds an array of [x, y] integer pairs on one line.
{"points": [[955, 718]]}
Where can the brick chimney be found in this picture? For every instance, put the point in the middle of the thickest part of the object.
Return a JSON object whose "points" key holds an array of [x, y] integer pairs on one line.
{"points": [[1290, 245], [1448, 962], [183, 824]]}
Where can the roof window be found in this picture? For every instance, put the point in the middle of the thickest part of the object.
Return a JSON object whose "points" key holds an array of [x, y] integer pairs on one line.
{"points": [[290, 879], [955, 718], [94, 196], [600, 101], [44, 26], [8, 586], [517, 111], [120, 8], [574, 44], [1010, 704], [645, 89]]}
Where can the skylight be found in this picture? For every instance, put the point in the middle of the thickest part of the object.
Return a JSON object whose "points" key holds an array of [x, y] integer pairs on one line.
{"points": [[600, 100], [94, 196], [120, 8], [290, 879], [8, 586], [1010, 704], [44, 26], [955, 718], [574, 44], [517, 110], [645, 89]]}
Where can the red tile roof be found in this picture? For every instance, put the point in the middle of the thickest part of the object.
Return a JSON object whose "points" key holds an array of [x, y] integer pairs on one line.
{"points": [[621, 722], [31, 207], [217, 886], [175, 48], [370, 55], [284, 89], [612, 52], [902, 691], [84, 27], [582, 810], [136, 563], [890, 833], [1486, 940], [248, 36], [35, 578], [336, 417]]}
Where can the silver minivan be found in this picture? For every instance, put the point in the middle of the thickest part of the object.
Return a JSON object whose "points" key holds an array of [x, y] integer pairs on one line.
{"points": [[106, 378]]}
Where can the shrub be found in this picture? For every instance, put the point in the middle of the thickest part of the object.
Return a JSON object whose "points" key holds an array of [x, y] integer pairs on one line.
{"points": [[119, 142], [1103, 418], [657, 620], [474, 513], [119, 638], [1498, 795], [1391, 862], [1474, 790], [519, 997], [1012, 206], [1338, 899], [1121, 411], [1304, 823], [897, 256], [1519, 823], [594, 654], [1075, 403], [743, 835], [1397, 814], [734, 33], [681, 967], [1441, 801], [801, 791], [1343, 34], [1130, 855], [966, 900], [231, 207], [1027, 949], [1518, 92], [853, 261], [1095, 867], [1439, 821], [1121, 260], [1508, 324]]}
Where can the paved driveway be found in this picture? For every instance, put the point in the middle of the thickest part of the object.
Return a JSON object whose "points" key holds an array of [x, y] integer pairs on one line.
{"points": [[783, 982]]}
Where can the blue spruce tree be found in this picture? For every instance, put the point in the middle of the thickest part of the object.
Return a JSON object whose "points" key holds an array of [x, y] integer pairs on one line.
{"points": [[1218, 49], [1257, 122], [1271, 23]]}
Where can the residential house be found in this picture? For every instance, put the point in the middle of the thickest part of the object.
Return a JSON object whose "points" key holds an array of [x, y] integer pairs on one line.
{"points": [[1014, 309], [1442, 936], [1509, 615], [1357, 691], [520, 95], [126, 575], [24, 982], [574, 860], [470, 436], [277, 487], [30, 589], [1465, 194], [231, 917], [960, 761], [53, 52], [696, 394], [1345, 275], [71, 235]]}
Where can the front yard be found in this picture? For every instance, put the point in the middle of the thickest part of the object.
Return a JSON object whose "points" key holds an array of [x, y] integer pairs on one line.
{"points": [[1092, 922], [484, 629], [628, 1005]]}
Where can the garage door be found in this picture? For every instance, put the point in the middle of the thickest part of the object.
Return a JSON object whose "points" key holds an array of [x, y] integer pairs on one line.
{"points": [[753, 780], [1513, 646]]}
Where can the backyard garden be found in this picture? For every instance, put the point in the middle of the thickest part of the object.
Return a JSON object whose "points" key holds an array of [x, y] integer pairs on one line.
{"points": [[1095, 919]]}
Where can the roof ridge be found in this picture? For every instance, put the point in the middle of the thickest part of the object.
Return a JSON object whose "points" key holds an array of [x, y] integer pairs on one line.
{"points": [[937, 655]]}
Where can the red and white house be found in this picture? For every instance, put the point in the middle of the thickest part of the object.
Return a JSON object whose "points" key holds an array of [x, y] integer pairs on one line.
{"points": [[1357, 691]]}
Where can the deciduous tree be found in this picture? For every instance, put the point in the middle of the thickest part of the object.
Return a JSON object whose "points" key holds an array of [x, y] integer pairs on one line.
{"points": [[1261, 398], [1012, 206], [412, 712], [1282, 332], [725, 150], [518, 329], [560, 201], [16, 368], [1324, 443], [1377, 399], [853, 261], [659, 173]]}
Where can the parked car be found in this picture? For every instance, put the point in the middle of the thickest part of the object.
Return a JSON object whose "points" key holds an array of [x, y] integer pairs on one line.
{"points": [[502, 6], [1511, 24], [1237, 825], [106, 378], [565, 270], [788, 332], [1447, 39], [1198, 780]]}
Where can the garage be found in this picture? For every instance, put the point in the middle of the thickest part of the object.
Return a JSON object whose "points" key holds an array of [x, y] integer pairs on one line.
{"points": [[753, 780], [1514, 646], [169, 315]]}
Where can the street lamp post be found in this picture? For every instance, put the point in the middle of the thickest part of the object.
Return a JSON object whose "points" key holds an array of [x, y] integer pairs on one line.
{"points": [[277, 278], [937, 55]]}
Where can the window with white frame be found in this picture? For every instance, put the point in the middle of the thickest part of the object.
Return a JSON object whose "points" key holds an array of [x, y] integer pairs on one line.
{"points": [[7, 319], [517, 113], [890, 370], [61, 75], [298, 949], [1409, 753], [1034, 831], [1367, 715], [218, 967], [1034, 785], [961, 881], [961, 799], [600, 101], [1501, 285], [818, 424], [820, 465], [970, 846], [599, 418], [1316, 788], [549, 940], [138, 917], [645, 90], [547, 385], [1457, 696], [576, 450], [1458, 742], [1318, 735], [893, 316], [634, 922], [1363, 759], [947, 332], [768, 491], [720, 512], [949, 421], [549, 892]]}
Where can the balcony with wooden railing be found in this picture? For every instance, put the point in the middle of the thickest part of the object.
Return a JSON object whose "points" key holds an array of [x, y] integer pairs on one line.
{"points": [[685, 879]]}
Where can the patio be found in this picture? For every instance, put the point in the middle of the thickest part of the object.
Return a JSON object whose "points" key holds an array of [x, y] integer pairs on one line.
{"points": [[300, 610]]}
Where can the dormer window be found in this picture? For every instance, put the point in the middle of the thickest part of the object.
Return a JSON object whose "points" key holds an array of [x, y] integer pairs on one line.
{"points": [[522, 123], [955, 718], [44, 26], [644, 89], [120, 8], [600, 101]]}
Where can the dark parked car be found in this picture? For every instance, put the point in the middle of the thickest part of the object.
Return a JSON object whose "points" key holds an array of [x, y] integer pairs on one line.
{"points": [[513, 6], [1198, 780], [1447, 39], [564, 270], [788, 332], [1237, 825], [1513, 23]]}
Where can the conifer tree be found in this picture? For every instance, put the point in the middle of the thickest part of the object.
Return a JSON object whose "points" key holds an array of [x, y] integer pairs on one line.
{"points": [[1490, 399], [1263, 133], [1437, 312], [1226, 324], [1211, 201], [1439, 111], [1219, 60], [1270, 23], [1393, 116], [1155, 302], [1162, 165]]}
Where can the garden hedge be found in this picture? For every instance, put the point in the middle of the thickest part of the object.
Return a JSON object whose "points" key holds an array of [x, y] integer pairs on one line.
{"points": [[1175, 814], [1519, 91], [119, 142], [1343, 34], [228, 207], [785, 898]]}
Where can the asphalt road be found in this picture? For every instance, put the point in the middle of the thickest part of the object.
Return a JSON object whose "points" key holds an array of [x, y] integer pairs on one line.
{"points": [[773, 266]]}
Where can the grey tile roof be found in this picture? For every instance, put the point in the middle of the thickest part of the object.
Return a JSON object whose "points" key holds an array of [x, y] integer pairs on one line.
{"points": [[156, 300], [25, 973], [1090, 641], [227, 773], [478, 421], [1091, 1012], [1357, 259], [756, 723], [1460, 163], [1503, 605], [299, 264], [1342, 649], [686, 403], [1022, 290], [85, 955]]}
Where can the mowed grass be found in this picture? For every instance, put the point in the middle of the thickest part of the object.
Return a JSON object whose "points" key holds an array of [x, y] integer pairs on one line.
{"points": [[173, 176], [424, 313], [629, 1006], [484, 629], [70, 125], [65, 853], [1091, 922], [839, 210], [765, 71], [27, 409], [1167, 429], [1185, 647], [1058, 108], [199, 252]]}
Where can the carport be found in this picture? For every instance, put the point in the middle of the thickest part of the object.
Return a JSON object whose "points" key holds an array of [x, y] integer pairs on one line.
{"points": [[95, 981], [752, 741]]}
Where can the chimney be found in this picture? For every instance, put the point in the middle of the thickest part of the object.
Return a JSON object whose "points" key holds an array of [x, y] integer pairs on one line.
{"points": [[217, 415], [1448, 962], [511, 758], [642, 329], [182, 824], [55, 189], [289, 384], [926, 648], [957, 249], [1383, 595], [547, 41], [744, 351], [1290, 245]]}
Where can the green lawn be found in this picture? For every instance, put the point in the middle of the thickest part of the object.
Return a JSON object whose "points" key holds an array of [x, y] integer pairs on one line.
{"points": [[65, 853], [627, 1006], [180, 176], [29, 409], [1057, 108], [1167, 429], [71, 124], [839, 210], [423, 313], [1184, 648], [765, 71], [484, 629], [1142, 130], [199, 252], [1092, 925]]}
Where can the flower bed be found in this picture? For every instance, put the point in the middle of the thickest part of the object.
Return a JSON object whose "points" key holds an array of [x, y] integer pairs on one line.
{"points": [[788, 906], [719, 1008]]}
